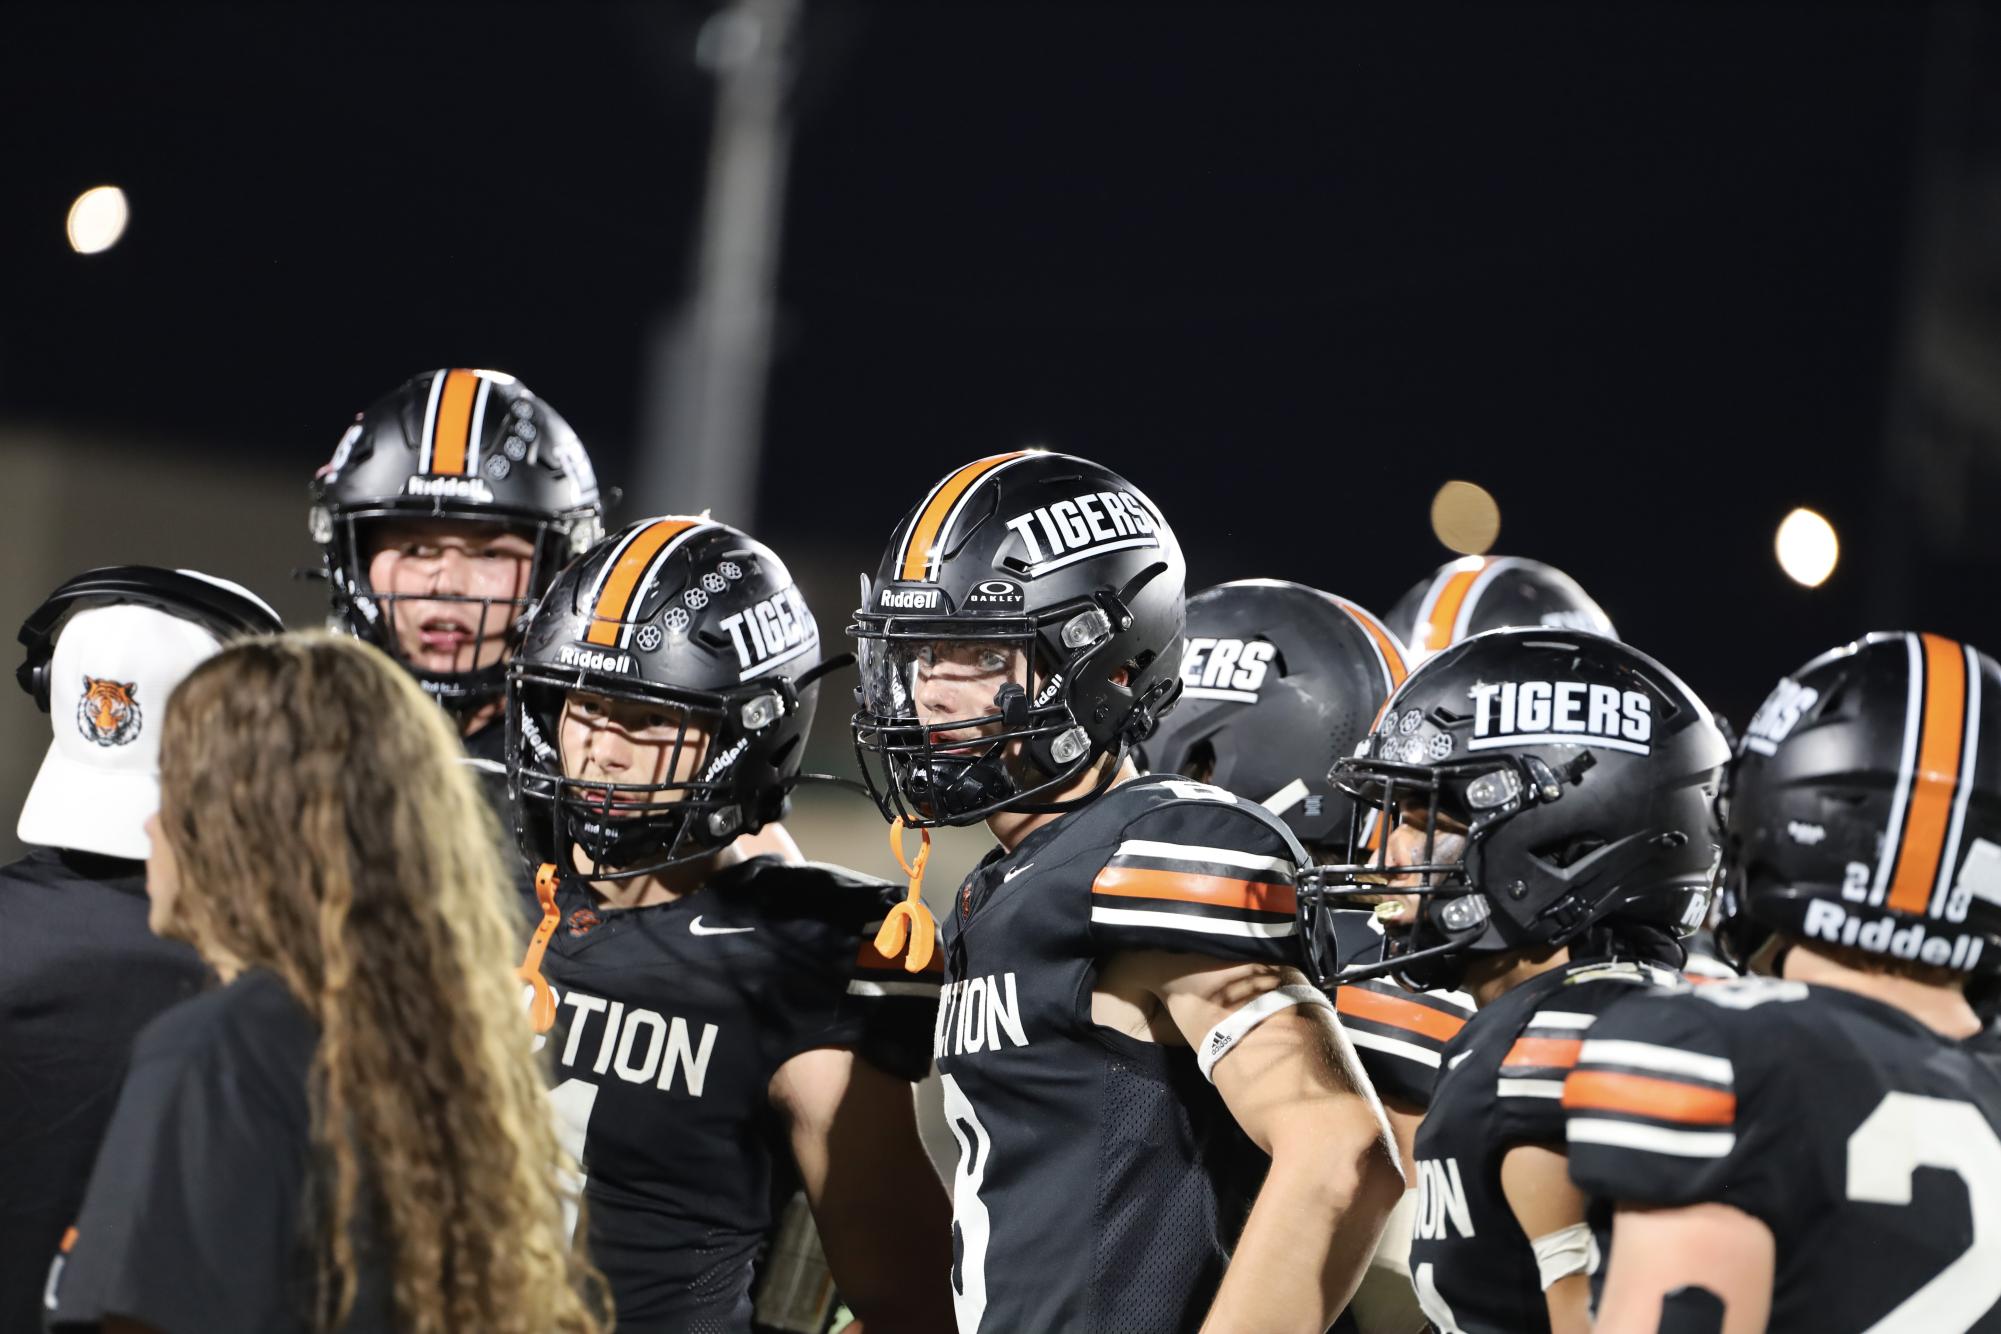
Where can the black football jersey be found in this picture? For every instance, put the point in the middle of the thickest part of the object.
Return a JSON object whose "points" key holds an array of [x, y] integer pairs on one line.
{"points": [[1502, 1085], [1867, 1143], [670, 1023], [1399, 1034], [1101, 1181]]}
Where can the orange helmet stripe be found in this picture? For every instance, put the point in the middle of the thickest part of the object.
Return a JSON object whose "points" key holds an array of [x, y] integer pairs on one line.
{"points": [[929, 526], [1937, 776], [622, 580], [1437, 630], [1386, 644], [451, 434]]}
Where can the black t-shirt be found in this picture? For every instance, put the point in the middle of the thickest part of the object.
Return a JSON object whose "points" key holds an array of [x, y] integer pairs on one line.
{"points": [[1869, 1144], [200, 1214], [80, 975], [670, 1022]]}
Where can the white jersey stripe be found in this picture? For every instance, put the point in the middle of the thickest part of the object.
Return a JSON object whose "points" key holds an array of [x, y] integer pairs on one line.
{"points": [[1409, 1051], [1893, 832], [1529, 1088], [1561, 1019], [1665, 1060], [1969, 745], [1651, 1139], [1190, 852], [1212, 926]]}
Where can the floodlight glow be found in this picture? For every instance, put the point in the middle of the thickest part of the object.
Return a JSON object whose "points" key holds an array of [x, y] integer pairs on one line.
{"points": [[1807, 547], [97, 219], [1466, 518]]}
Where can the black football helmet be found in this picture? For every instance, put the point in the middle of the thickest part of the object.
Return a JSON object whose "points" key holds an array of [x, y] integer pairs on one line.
{"points": [[1278, 681], [1585, 777], [1046, 554], [686, 613], [1864, 807], [453, 444], [1470, 596]]}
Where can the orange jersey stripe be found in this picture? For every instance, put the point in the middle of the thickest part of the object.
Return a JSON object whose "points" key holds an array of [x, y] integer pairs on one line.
{"points": [[1943, 728], [1641, 1095], [1438, 630], [624, 578], [1406, 1014], [1543, 1051], [868, 956], [1215, 891], [929, 525], [451, 434]]}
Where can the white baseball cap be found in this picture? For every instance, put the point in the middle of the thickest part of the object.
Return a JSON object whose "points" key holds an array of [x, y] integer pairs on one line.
{"points": [[110, 675]]}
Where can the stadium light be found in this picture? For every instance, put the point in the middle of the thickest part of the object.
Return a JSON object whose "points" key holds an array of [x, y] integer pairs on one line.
{"points": [[1466, 518], [97, 219], [1807, 547]]}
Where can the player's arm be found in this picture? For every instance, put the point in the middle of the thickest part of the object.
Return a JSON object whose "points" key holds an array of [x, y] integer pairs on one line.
{"points": [[774, 840], [1536, 1182], [1293, 1083], [1695, 1269], [879, 1206]]}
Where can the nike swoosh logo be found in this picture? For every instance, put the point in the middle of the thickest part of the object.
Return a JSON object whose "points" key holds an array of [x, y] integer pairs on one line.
{"points": [[698, 929], [1016, 871]]}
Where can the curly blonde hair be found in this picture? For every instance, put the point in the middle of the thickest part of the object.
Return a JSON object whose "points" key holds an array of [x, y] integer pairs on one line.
{"points": [[326, 829]]}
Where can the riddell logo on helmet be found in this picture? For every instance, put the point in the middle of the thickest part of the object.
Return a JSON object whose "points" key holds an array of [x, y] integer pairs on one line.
{"points": [[1578, 713], [591, 660], [907, 599], [456, 488], [1053, 536], [1886, 935]]}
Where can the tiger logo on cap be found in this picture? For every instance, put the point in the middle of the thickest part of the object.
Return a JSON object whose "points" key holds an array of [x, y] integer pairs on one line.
{"points": [[108, 713]]}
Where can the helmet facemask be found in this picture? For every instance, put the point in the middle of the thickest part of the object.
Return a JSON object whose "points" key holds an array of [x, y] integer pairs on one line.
{"points": [[707, 786], [1025, 746]]}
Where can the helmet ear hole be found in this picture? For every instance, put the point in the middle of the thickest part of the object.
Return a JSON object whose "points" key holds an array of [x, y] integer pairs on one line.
{"points": [[1200, 761]]}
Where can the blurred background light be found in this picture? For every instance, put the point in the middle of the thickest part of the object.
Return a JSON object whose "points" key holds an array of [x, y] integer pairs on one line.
{"points": [[1807, 547], [1466, 518], [97, 219]]}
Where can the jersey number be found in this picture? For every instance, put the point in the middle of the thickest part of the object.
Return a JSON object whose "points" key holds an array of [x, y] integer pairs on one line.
{"points": [[1908, 1131], [572, 1101], [971, 1226]]}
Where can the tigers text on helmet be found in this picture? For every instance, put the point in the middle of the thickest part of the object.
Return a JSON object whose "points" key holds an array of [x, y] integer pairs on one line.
{"points": [[700, 620], [1278, 682], [1025, 622], [456, 444], [1475, 594], [1864, 807], [1581, 777]]}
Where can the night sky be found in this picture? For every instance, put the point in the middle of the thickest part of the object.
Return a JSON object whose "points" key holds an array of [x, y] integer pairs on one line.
{"points": [[1637, 269]]}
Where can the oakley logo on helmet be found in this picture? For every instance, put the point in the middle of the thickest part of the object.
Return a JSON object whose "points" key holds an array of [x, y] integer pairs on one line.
{"points": [[996, 595], [1232, 669], [771, 633], [1778, 716], [907, 599], [1579, 713], [592, 660], [1063, 533], [456, 488]]}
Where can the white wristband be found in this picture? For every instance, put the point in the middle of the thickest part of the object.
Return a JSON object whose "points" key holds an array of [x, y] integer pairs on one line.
{"points": [[1566, 1251], [1231, 1031]]}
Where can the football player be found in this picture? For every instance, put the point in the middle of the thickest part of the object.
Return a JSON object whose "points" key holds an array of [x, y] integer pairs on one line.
{"points": [[1551, 797], [720, 1024], [1819, 1147], [1473, 594], [1124, 1004], [1280, 681]]}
